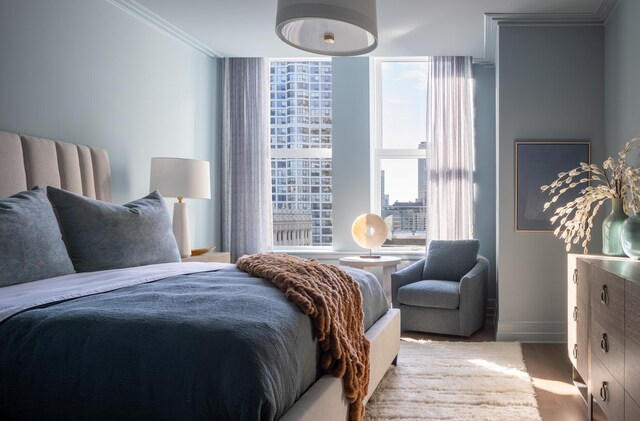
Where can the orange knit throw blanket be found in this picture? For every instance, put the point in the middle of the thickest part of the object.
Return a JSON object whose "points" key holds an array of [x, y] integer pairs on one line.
{"points": [[333, 300]]}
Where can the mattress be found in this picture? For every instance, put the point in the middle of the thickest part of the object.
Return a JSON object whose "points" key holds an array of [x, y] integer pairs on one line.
{"points": [[210, 342]]}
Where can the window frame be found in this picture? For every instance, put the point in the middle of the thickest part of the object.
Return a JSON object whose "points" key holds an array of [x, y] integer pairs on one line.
{"points": [[378, 153]]}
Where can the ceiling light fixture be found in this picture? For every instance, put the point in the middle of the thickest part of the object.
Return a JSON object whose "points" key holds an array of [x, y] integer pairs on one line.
{"points": [[328, 27]]}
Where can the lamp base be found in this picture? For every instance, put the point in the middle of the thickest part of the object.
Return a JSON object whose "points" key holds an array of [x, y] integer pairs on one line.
{"points": [[181, 228], [371, 256]]}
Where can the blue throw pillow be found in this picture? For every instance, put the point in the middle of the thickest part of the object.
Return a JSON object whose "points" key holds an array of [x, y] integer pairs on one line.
{"points": [[31, 245], [450, 260], [103, 236]]}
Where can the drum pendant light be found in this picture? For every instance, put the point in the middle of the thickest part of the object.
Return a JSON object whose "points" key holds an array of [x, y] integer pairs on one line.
{"points": [[329, 27]]}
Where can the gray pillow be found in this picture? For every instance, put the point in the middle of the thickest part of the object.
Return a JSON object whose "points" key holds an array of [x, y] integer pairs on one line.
{"points": [[31, 245], [103, 236], [450, 260]]}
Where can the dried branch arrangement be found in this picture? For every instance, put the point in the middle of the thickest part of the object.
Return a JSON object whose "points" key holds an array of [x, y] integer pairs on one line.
{"points": [[616, 179]]}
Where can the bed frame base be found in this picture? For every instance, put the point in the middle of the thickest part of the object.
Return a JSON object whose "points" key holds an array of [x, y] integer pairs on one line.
{"points": [[325, 399]]}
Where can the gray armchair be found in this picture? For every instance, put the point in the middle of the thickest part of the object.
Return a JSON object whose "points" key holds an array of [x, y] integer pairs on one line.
{"points": [[444, 293]]}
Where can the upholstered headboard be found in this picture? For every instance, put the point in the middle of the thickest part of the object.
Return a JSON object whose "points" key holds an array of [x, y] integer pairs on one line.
{"points": [[27, 161]]}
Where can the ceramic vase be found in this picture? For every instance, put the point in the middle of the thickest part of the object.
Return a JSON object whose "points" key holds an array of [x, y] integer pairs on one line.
{"points": [[631, 236], [612, 229]]}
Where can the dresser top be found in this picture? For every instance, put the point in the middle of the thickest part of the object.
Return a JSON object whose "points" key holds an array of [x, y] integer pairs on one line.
{"points": [[623, 267]]}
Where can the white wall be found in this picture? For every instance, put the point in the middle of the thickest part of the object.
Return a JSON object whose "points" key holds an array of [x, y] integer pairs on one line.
{"points": [[622, 76], [85, 71], [550, 86]]}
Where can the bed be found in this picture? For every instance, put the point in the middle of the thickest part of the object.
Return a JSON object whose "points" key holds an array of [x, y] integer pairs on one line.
{"points": [[42, 319]]}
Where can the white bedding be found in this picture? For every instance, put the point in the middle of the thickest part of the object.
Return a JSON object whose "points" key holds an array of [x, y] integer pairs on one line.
{"points": [[16, 298]]}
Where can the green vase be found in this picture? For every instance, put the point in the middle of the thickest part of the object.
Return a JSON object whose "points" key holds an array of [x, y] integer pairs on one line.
{"points": [[612, 229], [631, 236]]}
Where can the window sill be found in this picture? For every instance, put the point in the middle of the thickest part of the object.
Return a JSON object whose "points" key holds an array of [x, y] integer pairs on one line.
{"points": [[327, 253]]}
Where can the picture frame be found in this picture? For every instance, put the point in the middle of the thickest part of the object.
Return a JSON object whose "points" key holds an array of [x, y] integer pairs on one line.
{"points": [[537, 163]]}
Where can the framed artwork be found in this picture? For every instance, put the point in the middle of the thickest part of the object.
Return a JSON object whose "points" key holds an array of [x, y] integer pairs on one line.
{"points": [[538, 163]]}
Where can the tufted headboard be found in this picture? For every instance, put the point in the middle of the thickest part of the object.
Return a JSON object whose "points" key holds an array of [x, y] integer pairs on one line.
{"points": [[27, 161]]}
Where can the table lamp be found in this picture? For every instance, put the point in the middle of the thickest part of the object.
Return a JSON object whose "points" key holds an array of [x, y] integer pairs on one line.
{"points": [[181, 178], [369, 231]]}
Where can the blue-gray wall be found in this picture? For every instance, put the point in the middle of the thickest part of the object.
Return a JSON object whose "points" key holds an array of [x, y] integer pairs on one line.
{"points": [[550, 84], [622, 75], [86, 71], [485, 173]]}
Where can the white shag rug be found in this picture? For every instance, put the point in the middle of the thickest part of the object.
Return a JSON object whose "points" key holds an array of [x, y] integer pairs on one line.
{"points": [[455, 381]]}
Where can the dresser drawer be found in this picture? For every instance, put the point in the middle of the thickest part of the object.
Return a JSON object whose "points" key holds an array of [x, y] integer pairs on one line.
{"points": [[632, 313], [581, 353], [581, 280], [606, 391], [631, 409], [607, 344], [607, 297]]}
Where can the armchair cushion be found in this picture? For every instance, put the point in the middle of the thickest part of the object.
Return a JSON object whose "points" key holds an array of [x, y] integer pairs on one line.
{"points": [[438, 294], [450, 260]]}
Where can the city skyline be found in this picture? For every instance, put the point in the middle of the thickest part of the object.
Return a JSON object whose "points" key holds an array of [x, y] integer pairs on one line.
{"points": [[301, 118]]}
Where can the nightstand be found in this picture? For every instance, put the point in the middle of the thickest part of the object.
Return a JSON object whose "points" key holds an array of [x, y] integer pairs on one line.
{"points": [[389, 265], [219, 257]]}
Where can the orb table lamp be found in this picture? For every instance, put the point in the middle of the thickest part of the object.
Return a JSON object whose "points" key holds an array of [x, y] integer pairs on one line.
{"points": [[369, 231]]}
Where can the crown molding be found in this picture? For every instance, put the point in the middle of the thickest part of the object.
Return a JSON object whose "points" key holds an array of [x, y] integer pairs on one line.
{"points": [[152, 19], [493, 20], [605, 9]]}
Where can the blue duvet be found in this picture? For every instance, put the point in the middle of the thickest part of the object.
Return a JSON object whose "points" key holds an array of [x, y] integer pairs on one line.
{"points": [[212, 346]]}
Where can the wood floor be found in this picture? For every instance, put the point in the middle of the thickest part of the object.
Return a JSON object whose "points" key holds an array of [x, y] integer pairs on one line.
{"points": [[548, 365]]}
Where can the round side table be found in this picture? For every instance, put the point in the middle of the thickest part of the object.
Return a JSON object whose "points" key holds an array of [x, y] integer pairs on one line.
{"points": [[389, 265]]}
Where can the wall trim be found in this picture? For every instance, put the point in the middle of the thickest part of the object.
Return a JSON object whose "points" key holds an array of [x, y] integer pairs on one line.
{"points": [[541, 332], [493, 20], [605, 9], [152, 19]]}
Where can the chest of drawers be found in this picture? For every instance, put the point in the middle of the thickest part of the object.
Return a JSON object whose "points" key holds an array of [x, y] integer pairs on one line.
{"points": [[604, 332]]}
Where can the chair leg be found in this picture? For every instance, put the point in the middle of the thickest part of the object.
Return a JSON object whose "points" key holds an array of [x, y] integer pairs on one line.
{"points": [[395, 361]]}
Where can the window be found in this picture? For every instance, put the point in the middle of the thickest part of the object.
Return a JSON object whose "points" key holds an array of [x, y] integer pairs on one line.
{"points": [[301, 166], [400, 169]]}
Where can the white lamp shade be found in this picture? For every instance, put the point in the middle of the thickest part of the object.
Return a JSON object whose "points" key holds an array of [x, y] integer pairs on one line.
{"points": [[178, 177], [369, 231], [329, 27]]}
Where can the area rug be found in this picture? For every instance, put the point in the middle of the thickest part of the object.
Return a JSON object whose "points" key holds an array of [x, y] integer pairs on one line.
{"points": [[455, 381]]}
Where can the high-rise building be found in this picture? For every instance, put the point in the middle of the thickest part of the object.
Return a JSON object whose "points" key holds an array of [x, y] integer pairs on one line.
{"points": [[422, 176], [301, 109], [407, 220], [383, 196]]}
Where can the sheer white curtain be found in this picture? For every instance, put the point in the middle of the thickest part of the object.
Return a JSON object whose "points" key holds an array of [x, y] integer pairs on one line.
{"points": [[247, 225], [451, 138]]}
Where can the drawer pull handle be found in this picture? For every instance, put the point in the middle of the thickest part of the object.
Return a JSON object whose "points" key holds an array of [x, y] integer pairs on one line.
{"points": [[575, 313], [575, 351], [604, 343], [604, 295], [604, 391], [575, 276]]}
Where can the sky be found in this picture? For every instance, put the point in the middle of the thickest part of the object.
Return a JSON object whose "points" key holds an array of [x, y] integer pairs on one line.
{"points": [[404, 123]]}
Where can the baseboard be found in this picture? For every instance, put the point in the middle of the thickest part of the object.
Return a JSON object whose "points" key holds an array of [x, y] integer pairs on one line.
{"points": [[542, 332]]}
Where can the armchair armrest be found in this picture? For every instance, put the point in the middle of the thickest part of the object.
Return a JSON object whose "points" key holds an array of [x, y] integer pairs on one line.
{"points": [[481, 268], [473, 296], [408, 275]]}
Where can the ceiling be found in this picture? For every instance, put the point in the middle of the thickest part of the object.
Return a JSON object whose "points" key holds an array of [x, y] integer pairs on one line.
{"points": [[245, 28]]}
